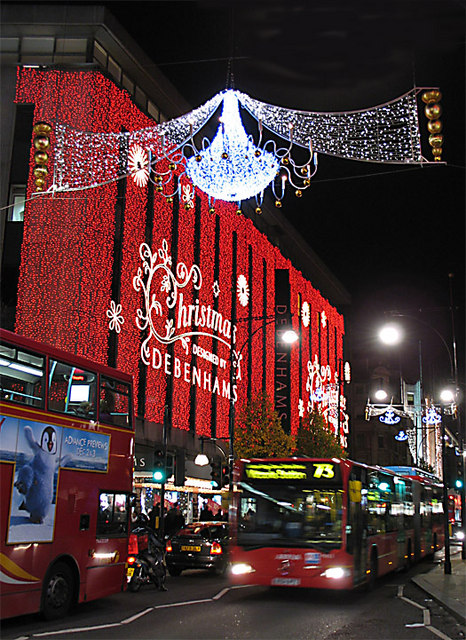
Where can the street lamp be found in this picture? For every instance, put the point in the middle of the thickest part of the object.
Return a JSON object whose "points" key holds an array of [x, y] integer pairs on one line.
{"points": [[289, 336], [391, 334]]}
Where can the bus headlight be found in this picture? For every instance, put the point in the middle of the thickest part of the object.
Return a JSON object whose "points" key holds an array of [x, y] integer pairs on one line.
{"points": [[336, 573], [240, 568]]}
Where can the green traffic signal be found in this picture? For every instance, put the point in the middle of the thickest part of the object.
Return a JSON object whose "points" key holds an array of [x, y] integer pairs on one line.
{"points": [[160, 473], [459, 484]]}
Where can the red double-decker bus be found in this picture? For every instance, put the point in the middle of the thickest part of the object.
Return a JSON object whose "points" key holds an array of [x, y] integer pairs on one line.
{"points": [[67, 440], [325, 523]]}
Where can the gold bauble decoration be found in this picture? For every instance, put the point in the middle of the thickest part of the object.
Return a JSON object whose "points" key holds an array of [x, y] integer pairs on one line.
{"points": [[257, 153], [258, 210], [305, 170], [437, 152], [436, 140], [40, 184], [41, 143], [225, 155], [41, 157], [434, 126], [307, 182], [40, 171], [285, 160], [238, 212], [42, 127], [169, 200], [198, 158], [433, 111], [298, 193], [429, 97], [278, 203], [172, 166], [212, 210], [159, 188]]}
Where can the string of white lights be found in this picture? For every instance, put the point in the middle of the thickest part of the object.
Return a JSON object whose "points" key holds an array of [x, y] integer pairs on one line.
{"points": [[387, 133], [232, 167]]}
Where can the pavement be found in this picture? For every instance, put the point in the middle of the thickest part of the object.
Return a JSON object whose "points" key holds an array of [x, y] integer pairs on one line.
{"points": [[448, 590]]}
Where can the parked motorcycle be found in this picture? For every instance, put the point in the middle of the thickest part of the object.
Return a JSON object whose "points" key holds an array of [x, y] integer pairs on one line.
{"points": [[146, 561]]}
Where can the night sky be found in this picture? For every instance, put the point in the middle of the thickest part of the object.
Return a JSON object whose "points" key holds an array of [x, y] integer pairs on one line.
{"points": [[390, 234]]}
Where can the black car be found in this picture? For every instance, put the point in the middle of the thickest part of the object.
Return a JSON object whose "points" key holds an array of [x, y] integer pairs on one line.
{"points": [[200, 545]]}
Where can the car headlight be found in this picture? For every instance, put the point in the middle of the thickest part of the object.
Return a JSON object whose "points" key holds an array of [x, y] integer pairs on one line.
{"points": [[240, 568], [336, 573], [460, 535]]}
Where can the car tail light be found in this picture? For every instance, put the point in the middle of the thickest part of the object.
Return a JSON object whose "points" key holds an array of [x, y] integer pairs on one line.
{"points": [[131, 560], [169, 547], [216, 549]]}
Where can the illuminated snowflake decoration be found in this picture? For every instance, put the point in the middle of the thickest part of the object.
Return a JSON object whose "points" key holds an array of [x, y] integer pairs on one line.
{"points": [[432, 416], [305, 314], [216, 289], [138, 165], [323, 319], [242, 289], [116, 319], [389, 417], [188, 196]]}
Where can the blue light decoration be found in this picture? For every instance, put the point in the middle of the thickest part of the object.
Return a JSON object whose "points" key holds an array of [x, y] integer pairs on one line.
{"points": [[432, 416], [389, 417], [401, 436], [232, 168]]}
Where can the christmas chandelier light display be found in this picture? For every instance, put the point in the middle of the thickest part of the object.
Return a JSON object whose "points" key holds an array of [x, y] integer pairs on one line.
{"points": [[233, 166]]}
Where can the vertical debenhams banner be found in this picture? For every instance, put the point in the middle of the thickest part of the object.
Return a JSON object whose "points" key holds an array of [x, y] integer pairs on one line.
{"points": [[282, 351]]}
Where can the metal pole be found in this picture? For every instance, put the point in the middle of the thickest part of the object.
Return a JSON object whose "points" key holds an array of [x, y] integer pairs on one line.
{"points": [[162, 491], [447, 564], [458, 409]]}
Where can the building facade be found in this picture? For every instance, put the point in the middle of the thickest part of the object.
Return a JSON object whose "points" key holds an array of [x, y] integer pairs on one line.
{"points": [[166, 289]]}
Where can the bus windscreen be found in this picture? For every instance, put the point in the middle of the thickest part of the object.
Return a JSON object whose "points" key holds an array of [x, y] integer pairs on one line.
{"points": [[291, 504]]}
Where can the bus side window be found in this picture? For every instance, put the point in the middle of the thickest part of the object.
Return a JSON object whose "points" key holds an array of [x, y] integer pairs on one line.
{"points": [[22, 376], [112, 515], [72, 390], [114, 402]]}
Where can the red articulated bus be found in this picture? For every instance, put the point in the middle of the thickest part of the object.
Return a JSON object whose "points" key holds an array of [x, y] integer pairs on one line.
{"points": [[325, 523], [66, 464]]}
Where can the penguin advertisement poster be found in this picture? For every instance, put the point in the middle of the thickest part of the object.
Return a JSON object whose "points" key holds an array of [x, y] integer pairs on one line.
{"points": [[38, 451], [35, 448]]}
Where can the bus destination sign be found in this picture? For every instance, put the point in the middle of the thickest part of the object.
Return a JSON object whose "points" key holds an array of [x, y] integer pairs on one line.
{"points": [[310, 471]]}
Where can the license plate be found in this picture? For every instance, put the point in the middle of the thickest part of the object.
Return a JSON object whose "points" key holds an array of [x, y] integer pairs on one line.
{"points": [[129, 572], [286, 582], [190, 548]]}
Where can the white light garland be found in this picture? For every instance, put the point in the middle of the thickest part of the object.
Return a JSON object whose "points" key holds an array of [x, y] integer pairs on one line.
{"points": [[232, 167]]}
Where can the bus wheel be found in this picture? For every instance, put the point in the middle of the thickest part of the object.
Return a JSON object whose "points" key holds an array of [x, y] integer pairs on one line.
{"points": [[58, 589]]}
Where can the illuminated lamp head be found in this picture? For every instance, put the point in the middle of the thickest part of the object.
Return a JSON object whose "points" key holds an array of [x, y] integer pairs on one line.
{"points": [[229, 168]]}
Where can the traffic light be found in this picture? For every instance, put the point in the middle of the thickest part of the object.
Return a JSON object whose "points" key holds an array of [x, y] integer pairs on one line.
{"points": [[216, 474], [459, 471], [170, 467], [160, 473], [180, 470], [225, 474]]}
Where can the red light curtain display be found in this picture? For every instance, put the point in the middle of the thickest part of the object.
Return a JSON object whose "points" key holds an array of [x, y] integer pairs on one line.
{"points": [[68, 270]]}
